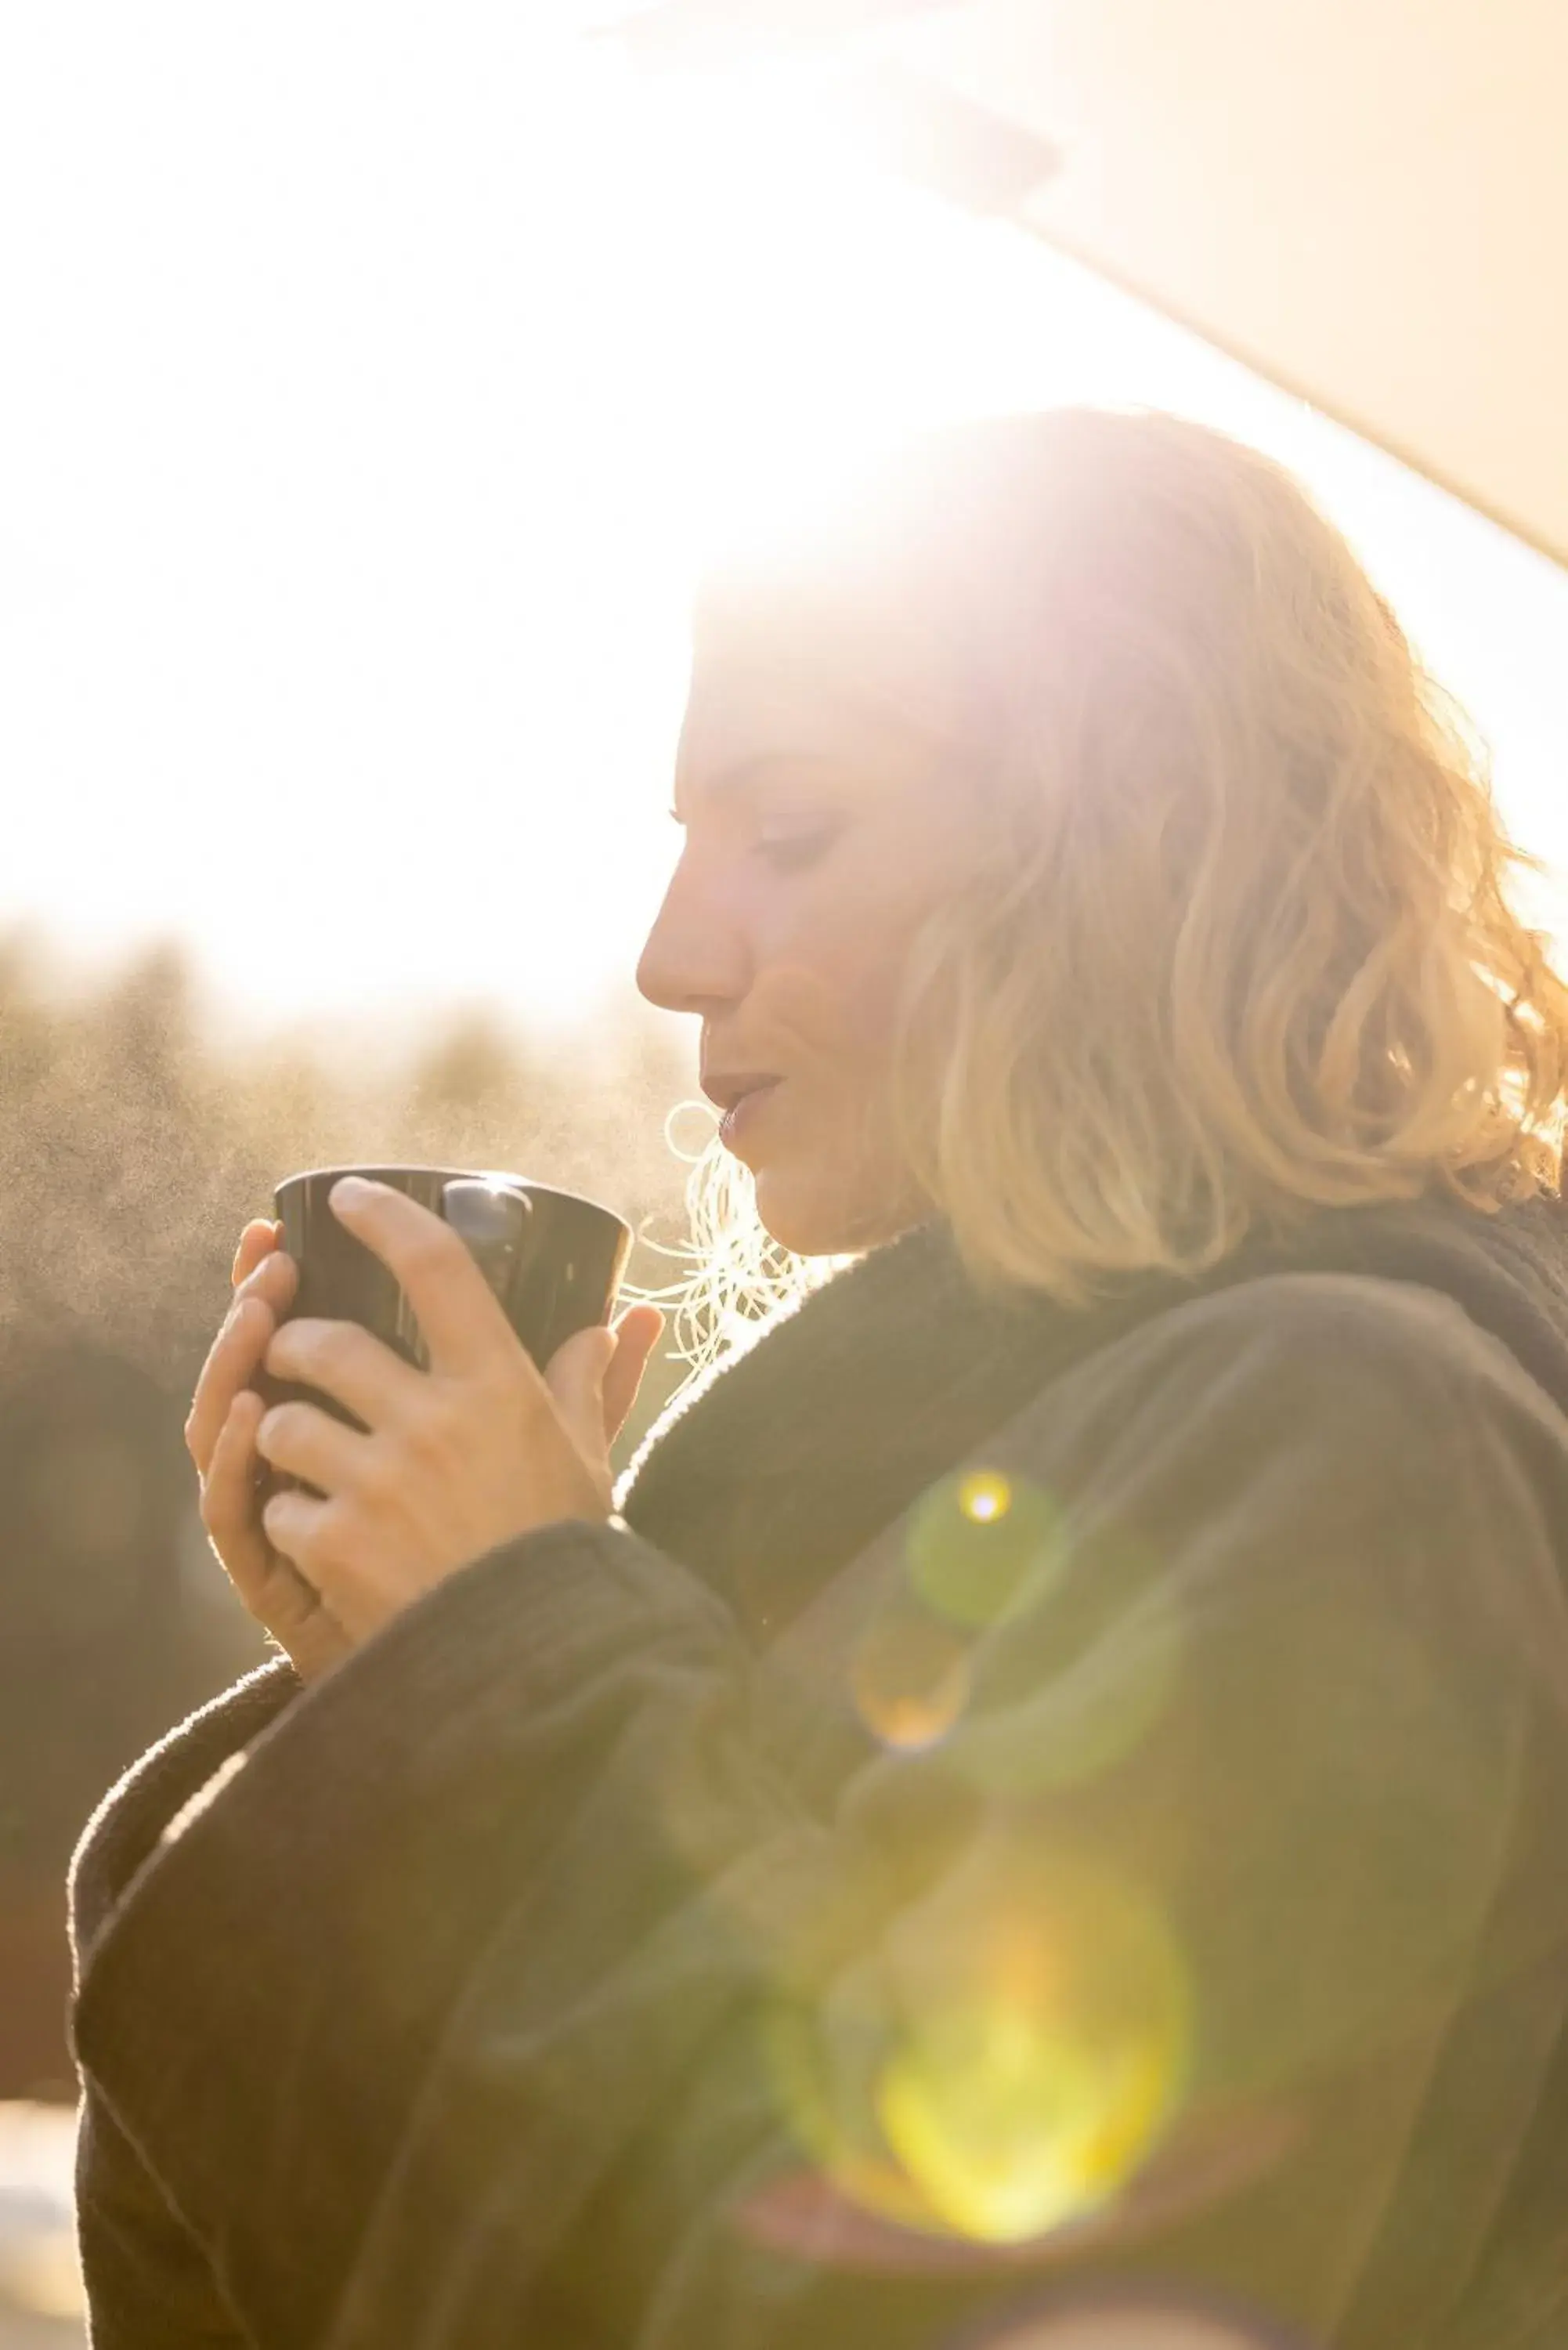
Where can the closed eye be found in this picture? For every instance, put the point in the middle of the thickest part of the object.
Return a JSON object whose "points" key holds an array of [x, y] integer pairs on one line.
{"points": [[793, 852]]}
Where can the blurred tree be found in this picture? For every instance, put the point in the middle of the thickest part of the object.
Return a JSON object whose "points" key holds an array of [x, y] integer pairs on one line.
{"points": [[469, 1070], [94, 1659]]}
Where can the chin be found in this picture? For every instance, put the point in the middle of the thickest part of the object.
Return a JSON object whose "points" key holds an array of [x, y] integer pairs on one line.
{"points": [[821, 1223]]}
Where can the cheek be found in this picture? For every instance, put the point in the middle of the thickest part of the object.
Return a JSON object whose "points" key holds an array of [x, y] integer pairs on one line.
{"points": [[830, 944], [832, 978], [877, 929], [838, 979]]}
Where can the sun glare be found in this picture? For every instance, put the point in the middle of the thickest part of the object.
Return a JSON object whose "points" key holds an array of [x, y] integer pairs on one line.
{"points": [[372, 434]]}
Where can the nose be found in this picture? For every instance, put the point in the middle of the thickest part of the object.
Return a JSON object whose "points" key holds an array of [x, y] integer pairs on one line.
{"points": [[694, 958]]}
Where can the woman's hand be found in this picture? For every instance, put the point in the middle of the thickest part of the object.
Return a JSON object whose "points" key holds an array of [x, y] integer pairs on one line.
{"points": [[452, 1462], [219, 1435]]}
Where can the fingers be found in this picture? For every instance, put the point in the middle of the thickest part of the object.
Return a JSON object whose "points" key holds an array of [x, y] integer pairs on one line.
{"points": [[274, 1279], [231, 1362], [304, 1441], [347, 1363], [295, 1521], [464, 1328], [259, 1237], [263, 1577], [310, 1533], [229, 1502], [236, 1352]]}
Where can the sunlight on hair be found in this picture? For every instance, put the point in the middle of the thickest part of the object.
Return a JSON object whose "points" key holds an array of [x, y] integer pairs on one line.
{"points": [[737, 1281], [1236, 856]]}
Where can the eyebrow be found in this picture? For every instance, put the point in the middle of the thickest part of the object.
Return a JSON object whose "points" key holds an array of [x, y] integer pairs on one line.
{"points": [[735, 781]]}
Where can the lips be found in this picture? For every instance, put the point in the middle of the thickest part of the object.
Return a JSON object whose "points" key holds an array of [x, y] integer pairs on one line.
{"points": [[743, 1109]]}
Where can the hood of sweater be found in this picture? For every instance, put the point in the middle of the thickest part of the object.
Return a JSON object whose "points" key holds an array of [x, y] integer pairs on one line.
{"points": [[787, 1459]]}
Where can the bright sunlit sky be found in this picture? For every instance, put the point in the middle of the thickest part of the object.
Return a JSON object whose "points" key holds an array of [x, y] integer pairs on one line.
{"points": [[374, 378]]}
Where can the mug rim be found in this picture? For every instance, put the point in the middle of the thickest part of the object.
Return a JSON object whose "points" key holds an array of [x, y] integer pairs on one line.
{"points": [[374, 1169]]}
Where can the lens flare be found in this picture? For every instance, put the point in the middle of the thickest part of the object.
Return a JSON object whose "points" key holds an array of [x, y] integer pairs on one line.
{"points": [[1007, 2060], [982, 1543], [911, 1678], [984, 1494], [1011, 2124], [828, 2111], [1127, 2315]]}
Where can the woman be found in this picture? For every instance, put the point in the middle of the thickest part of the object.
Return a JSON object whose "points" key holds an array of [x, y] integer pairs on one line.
{"points": [[1048, 1771]]}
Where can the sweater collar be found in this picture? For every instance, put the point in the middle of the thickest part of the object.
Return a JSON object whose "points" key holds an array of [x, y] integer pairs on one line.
{"points": [[788, 1458]]}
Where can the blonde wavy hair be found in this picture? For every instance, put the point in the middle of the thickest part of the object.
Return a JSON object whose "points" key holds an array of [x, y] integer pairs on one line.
{"points": [[1236, 942]]}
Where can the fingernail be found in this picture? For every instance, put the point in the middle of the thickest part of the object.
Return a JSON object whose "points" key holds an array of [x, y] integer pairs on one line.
{"points": [[351, 1191]]}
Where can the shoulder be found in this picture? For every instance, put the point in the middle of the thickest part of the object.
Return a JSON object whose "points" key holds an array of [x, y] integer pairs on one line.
{"points": [[1313, 1384], [1338, 1463], [1353, 1340]]}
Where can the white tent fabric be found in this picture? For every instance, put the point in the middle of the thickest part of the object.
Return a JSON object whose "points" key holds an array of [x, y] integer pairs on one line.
{"points": [[1364, 201]]}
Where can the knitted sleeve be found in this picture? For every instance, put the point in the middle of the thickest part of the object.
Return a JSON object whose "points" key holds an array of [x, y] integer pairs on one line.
{"points": [[1188, 1911], [147, 2278]]}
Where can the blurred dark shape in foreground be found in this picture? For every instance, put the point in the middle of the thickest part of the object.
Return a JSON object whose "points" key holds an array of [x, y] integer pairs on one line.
{"points": [[134, 1147]]}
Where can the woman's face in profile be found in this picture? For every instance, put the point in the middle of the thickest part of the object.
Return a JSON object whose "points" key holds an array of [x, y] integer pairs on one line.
{"points": [[817, 835]]}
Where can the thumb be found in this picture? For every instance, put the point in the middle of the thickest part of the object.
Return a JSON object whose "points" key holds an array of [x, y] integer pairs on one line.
{"points": [[637, 1333], [574, 1376], [594, 1378]]}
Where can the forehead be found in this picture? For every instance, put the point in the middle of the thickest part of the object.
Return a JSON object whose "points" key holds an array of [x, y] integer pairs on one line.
{"points": [[786, 685]]}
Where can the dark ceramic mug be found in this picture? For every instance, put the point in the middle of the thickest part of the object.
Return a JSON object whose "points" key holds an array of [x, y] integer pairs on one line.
{"points": [[553, 1259]]}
